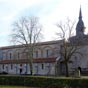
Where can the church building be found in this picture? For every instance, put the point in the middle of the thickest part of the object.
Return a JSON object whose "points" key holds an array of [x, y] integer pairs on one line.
{"points": [[13, 59]]}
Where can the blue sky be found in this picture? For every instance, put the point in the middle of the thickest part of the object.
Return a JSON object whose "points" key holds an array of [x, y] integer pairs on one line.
{"points": [[49, 11]]}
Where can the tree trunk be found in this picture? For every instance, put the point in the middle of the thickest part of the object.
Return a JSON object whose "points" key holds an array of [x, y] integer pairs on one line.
{"points": [[31, 69], [30, 57], [67, 73]]}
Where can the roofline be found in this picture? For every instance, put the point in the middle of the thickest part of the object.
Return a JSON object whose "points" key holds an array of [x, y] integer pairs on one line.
{"points": [[36, 44], [37, 60]]}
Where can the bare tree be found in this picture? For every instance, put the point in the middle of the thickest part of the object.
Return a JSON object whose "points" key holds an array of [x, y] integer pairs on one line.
{"points": [[27, 31], [67, 49]]}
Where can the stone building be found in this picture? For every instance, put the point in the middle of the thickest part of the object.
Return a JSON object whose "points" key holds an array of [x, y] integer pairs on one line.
{"points": [[80, 40], [46, 56], [13, 59]]}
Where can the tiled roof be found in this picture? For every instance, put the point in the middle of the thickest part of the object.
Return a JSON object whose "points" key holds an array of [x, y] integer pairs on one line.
{"points": [[39, 60], [36, 44]]}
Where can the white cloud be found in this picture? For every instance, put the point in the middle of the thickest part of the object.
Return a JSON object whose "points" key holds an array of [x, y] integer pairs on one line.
{"points": [[66, 8], [49, 11]]}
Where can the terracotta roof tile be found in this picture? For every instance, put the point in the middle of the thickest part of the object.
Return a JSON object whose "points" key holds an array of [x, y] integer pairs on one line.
{"points": [[39, 60]]}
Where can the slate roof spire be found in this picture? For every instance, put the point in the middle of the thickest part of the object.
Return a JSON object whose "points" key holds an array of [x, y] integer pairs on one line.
{"points": [[80, 25], [80, 14]]}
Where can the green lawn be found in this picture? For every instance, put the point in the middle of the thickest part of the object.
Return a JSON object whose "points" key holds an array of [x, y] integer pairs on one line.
{"points": [[13, 87]]}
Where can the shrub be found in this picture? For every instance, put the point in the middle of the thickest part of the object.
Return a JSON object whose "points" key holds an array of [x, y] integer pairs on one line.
{"points": [[44, 82]]}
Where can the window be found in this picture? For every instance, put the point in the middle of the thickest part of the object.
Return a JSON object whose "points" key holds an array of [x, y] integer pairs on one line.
{"points": [[27, 57], [42, 65], [56, 52], [10, 55], [1, 55], [20, 65], [4, 57], [7, 68], [18, 55], [47, 53], [3, 66], [11, 66], [36, 53]]}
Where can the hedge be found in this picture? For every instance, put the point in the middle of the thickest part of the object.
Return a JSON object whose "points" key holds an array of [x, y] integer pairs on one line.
{"points": [[44, 82]]}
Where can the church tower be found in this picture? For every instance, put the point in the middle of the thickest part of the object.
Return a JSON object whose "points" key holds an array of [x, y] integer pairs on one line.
{"points": [[80, 38], [80, 25]]}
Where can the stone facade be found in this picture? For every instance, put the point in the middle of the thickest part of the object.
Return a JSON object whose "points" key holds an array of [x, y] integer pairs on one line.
{"points": [[13, 59], [46, 56]]}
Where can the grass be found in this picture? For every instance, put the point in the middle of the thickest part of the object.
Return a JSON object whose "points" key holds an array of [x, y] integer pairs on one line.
{"points": [[13, 87], [16, 87]]}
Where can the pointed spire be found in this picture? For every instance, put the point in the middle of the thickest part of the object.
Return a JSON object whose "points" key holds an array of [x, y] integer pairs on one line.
{"points": [[80, 13], [80, 25]]}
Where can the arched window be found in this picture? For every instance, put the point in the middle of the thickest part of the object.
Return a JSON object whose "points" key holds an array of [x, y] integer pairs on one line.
{"points": [[18, 55], [3, 66], [36, 53], [42, 66], [47, 53], [27, 57], [11, 66], [10, 55]]}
